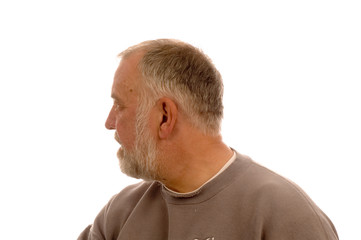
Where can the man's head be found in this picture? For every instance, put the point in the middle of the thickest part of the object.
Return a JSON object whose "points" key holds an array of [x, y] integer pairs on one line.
{"points": [[168, 77]]}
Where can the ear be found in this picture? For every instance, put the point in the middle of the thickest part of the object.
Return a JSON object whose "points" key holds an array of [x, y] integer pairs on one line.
{"points": [[167, 118]]}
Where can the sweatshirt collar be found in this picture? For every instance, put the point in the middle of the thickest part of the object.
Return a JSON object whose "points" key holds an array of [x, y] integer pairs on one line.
{"points": [[231, 170], [194, 192]]}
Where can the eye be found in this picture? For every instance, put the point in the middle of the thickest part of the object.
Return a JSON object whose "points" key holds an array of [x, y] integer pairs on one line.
{"points": [[117, 106]]}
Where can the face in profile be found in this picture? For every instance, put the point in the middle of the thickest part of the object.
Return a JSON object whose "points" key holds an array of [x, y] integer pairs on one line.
{"points": [[140, 161], [129, 118]]}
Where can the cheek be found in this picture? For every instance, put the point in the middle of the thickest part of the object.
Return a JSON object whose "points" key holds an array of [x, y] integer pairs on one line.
{"points": [[126, 131]]}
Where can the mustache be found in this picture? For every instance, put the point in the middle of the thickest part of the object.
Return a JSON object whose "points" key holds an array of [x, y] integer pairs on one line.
{"points": [[116, 137]]}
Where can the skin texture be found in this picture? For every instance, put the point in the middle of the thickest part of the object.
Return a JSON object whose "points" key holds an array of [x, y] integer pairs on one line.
{"points": [[123, 112], [184, 157]]}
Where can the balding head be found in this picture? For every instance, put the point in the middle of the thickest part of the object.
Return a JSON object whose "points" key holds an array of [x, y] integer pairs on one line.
{"points": [[174, 69]]}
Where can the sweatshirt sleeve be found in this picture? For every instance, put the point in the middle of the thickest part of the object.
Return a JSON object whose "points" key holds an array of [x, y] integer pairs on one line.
{"points": [[85, 234], [109, 221], [96, 231], [290, 214]]}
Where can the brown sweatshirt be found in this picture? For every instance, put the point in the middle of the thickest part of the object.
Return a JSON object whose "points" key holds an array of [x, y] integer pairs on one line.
{"points": [[245, 202]]}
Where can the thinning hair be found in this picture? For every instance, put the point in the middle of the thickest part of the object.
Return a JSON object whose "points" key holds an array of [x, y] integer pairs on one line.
{"points": [[182, 72]]}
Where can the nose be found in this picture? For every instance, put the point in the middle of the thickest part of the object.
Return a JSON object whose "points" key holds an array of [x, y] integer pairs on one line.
{"points": [[110, 122]]}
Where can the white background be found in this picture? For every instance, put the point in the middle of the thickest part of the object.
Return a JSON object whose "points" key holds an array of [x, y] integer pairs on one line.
{"points": [[291, 72]]}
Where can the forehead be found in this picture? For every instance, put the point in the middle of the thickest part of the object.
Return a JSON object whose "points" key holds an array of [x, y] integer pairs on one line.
{"points": [[126, 79]]}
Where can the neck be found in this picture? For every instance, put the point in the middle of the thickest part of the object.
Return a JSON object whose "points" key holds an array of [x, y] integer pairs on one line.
{"points": [[194, 161]]}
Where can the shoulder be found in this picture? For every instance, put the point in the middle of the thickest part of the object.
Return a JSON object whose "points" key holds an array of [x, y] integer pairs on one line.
{"points": [[122, 204], [129, 195], [115, 213], [281, 204], [259, 181]]}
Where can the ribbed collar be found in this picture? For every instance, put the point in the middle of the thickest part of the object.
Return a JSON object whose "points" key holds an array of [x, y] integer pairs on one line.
{"points": [[214, 186]]}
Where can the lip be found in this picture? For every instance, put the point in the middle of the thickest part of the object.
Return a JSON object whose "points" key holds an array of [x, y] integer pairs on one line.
{"points": [[116, 137]]}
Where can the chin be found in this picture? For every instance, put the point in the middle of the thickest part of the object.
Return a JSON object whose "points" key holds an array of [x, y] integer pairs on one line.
{"points": [[137, 165]]}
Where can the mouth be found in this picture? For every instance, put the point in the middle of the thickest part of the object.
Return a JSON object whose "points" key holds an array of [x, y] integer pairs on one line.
{"points": [[116, 137]]}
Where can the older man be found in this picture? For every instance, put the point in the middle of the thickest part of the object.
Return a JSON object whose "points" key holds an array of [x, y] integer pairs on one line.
{"points": [[167, 115]]}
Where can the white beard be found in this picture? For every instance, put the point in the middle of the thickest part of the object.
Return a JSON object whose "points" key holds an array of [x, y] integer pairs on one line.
{"points": [[141, 161]]}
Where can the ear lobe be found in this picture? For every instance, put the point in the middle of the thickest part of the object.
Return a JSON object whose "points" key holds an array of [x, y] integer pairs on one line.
{"points": [[169, 113]]}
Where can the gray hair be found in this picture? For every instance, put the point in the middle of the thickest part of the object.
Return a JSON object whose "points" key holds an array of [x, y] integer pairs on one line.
{"points": [[182, 72]]}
